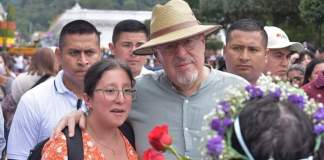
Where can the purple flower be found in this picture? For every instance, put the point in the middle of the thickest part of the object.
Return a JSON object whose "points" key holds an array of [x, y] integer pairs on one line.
{"points": [[297, 100], [319, 128], [225, 106], [275, 94], [319, 114], [220, 125], [215, 146], [254, 92], [227, 122], [217, 125]]}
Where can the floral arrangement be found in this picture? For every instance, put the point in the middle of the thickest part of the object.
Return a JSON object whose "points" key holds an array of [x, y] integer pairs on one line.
{"points": [[217, 124], [161, 141]]}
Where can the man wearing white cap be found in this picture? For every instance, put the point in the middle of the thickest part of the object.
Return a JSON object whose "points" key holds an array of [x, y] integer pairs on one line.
{"points": [[186, 90], [280, 48]]}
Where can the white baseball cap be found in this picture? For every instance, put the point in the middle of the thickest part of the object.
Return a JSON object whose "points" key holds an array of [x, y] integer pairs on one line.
{"points": [[277, 39]]}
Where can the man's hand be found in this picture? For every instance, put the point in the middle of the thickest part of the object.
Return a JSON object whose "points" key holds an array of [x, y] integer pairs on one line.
{"points": [[70, 120]]}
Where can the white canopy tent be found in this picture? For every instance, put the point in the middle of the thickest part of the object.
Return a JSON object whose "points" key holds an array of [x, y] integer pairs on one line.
{"points": [[104, 20]]}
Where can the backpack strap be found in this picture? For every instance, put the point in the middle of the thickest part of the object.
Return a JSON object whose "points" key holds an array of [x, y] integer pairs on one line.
{"points": [[36, 152], [40, 80], [74, 144]]}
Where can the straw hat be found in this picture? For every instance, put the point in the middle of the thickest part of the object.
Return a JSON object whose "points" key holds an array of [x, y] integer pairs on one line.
{"points": [[277, 39], [172, 22]]}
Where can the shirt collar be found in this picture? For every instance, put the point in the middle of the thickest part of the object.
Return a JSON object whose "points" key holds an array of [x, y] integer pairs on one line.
{"points": [[58, 82]]}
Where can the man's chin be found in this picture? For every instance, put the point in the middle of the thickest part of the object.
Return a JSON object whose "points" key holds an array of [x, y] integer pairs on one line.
{"points": [[135, 70]]}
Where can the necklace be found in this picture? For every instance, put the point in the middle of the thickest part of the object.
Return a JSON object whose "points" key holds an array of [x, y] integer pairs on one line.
{"points": [[105, 146]]}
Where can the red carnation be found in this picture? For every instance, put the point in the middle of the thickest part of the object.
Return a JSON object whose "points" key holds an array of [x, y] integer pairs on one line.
{"points": [[159, 137], [152, 154]]}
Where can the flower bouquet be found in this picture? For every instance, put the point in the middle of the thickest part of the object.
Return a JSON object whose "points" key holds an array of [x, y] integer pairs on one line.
{"points": [[217, 128]]}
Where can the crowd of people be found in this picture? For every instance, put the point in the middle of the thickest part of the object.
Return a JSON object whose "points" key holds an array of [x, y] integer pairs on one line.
{"points": [[116, 100]]}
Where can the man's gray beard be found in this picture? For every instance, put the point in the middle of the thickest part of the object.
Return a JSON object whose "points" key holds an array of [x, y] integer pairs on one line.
{"points": [[188, 77]]}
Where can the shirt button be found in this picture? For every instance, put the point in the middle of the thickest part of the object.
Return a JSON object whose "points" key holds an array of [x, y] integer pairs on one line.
{"points": [[186, 101], [186, 129]]}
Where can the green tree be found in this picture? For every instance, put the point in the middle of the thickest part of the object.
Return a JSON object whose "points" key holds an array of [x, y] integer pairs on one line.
{"points": [[98, 4], [130, 5], [11, 12], [280, 13], [312, 12], [226, 11]]}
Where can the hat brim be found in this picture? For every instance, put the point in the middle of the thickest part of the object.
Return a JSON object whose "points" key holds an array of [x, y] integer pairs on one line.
{"points": [[292, 46], [147, 48]]}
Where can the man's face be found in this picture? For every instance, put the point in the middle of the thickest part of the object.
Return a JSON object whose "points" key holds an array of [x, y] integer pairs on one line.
{"points": [[183, 60], [245, 54], [123, 50], [277, 63], [79, 52]]}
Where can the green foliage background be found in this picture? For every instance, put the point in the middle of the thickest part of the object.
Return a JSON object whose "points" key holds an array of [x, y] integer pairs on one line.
{"points": [[37, 15], [301, 19]]}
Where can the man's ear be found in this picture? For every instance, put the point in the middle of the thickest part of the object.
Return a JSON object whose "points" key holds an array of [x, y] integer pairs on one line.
{"points": [[267, 55], [58, 56], [156, 54], [203, 38], [111, 48]]}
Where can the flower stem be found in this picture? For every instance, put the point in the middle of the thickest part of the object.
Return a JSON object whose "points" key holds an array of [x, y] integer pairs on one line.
{"points": [[318, 141], [174, 152]]}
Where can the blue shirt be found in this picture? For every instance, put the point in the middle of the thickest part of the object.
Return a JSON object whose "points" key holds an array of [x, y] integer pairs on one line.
{"points": [[38, 112]]}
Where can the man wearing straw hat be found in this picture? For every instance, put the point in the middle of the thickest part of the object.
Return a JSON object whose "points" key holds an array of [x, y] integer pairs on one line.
{"points": [[186, 90]]}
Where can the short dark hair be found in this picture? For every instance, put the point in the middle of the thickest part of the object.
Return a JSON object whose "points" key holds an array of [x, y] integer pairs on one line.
{"points": [[277, 129], [78, 27], [310, 67], [247, 25], [96, 71], [128, 25]]}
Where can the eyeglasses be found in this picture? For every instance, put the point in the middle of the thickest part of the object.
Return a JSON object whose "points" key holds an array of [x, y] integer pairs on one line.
{"points": [[112, 93], [188, 44]]}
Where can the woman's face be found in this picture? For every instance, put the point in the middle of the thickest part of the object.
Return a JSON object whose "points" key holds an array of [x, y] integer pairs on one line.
{"points": [[306, 60], [111, 101], [317, 69]]}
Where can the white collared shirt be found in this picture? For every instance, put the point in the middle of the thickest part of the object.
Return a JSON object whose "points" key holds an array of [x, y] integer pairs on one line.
{"points": [[38, 112], [144, 71]]}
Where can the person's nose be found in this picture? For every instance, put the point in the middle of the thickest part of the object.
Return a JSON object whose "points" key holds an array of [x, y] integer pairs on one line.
{"points": [[120, 98], [180, 50], [285, 62], [244, 55], [132, 48], [83, 59]]}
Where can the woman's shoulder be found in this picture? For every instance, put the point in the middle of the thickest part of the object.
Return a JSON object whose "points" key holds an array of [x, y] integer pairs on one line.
{"points": [[56, 148]]}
